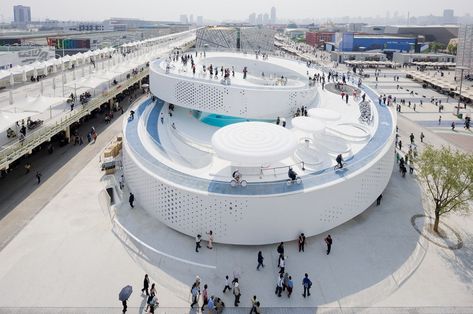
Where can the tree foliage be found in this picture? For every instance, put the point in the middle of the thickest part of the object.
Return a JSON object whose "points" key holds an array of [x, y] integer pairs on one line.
{"points": [[448, 177], [452, 48]]}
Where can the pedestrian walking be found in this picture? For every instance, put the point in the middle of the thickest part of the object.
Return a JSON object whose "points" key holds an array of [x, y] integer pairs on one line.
{"points": [[195, 294], [440, 119], [307, 284], [328, 241], [422, 137], [282, 264], [453, 125], [205, 297], [145, 285], [27, 168], [279, 285], [378, 200], [236, 292], [152, 294], [253, 301], [210, 240], [38, 177], [198, 238], [301, 242], [227, 285], [280, 248], [411, 137], [260, 260], [289, 286], [400, 145], [131, 199]]}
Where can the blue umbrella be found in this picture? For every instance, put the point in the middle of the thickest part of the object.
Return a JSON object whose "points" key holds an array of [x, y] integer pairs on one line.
{"points": [[125, 293]]}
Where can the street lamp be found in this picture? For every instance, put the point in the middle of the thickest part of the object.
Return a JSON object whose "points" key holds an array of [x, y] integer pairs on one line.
{"points": [[462, 69]]}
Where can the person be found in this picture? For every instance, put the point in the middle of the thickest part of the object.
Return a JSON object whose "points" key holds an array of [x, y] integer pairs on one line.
{"points": [[278, 120], [124, 306], [422, 137], [339, 161], [152, 294], [280, 248], [306, 283], [257, 307], [132, 114], [412, 138], [211, 304], [289, 286], [282, 264], [210, 240], [145, 285], [27, 168], [236, 175], [121, 182], [197, 243], [38, 176], [205, 297], [253, 304], [328, 241], [131, 199], [301, 242], [400, 145], [236, 292], [440, 119], [195, 294], [260, 260], [292, 174], [378, 200], [279, 284], [453, 125], [227, 285], [219, 305]]}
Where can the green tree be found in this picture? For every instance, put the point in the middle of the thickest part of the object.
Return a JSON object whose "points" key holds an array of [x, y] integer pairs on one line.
{"points": [[436, 46], [448, 177], [452, 48]]}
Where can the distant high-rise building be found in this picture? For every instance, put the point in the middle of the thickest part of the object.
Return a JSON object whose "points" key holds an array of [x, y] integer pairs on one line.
{"points": [[21, 15], [465, 49], [183, 19], [259, 19], [191, 19], [252, 18], [273, 15], [265, 18], [200, 20], [448, 16]]}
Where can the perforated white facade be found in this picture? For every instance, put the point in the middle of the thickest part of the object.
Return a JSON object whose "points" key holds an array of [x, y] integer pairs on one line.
{"points": [[258, 219], [258, 102]]}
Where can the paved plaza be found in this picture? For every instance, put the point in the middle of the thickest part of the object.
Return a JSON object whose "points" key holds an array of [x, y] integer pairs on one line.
{"points": [[77, 253]]}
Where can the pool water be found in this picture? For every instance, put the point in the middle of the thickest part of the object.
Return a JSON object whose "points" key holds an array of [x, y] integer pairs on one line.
{"points": [[219, 120]]}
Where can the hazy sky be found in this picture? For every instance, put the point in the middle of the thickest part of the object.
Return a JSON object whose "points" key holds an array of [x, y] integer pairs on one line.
{"points": [[228, 9]]}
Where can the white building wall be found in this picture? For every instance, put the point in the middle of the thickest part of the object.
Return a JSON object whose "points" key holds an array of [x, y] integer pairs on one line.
{"points": [[259, 219]]}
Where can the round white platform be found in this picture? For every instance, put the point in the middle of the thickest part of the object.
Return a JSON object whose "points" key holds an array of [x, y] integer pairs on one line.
{"points": [[253, 143], [309, 125], [324, 114]]}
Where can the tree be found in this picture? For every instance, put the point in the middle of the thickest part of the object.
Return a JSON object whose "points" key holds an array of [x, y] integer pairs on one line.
{"points": [[448, 177], [436, 46], [452, 48]]}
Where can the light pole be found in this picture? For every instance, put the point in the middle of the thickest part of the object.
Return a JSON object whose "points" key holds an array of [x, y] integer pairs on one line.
{"points": [[462, 69]]}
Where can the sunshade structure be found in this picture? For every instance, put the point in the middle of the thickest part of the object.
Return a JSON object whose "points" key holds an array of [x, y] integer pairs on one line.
{"points": [[34, 104], [8, 119]]}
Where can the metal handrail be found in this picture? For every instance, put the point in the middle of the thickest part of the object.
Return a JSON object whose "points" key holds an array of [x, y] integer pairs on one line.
{"points": [[18, 149]]}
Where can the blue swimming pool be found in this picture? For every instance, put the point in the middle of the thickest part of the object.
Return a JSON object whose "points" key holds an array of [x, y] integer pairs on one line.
{"points": [[219, 120]]}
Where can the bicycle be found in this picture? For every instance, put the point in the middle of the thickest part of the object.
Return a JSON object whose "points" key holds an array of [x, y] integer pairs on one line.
{"points": [[235, 183], [297, 180], [337, 166]]}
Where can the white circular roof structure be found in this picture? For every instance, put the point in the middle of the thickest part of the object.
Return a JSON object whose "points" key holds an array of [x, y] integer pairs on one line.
{"points": [[308, 124], [324, 114], [253, 143]]}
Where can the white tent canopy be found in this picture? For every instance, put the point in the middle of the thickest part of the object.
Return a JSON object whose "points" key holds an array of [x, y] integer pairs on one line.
{"points": [[34, 104], [8, 119]]}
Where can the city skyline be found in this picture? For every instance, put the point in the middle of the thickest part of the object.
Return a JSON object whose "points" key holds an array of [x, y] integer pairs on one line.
{"points": [[238, 11]]}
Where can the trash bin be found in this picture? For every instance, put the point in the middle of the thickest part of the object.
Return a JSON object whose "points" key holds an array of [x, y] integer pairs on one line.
{"points": [[460, 116]]}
